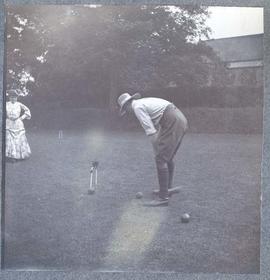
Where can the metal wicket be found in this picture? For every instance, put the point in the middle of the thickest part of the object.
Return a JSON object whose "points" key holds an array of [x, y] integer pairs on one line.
{"points": [[60, 134], [93, 173]]}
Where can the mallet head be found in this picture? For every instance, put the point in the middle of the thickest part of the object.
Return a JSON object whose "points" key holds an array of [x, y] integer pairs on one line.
{"points": [[95, 164], [91, 191]]}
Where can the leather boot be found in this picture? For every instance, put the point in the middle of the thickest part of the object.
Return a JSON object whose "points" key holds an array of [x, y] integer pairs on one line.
{"points": [[171, 190], [171, 172], [163, 179], [163, 196]]}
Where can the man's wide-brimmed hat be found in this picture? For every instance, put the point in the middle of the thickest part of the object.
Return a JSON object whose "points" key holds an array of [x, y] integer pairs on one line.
{"points": [[12, 93], [123, 100]]}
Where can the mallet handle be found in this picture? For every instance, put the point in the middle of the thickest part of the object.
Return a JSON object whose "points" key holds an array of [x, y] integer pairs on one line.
{"points": [[96, 176], [91, 178]]}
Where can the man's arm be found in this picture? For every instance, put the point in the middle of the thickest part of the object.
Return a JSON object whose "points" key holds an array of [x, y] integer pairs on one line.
{"points": [[153, 138], [145, 120]]}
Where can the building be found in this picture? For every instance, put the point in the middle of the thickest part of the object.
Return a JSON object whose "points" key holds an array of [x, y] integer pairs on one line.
{"points": [[243, 57]]}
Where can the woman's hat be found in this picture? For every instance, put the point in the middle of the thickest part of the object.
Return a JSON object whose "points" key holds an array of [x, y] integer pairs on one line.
{"points": [[123, 100], [12, 93]]}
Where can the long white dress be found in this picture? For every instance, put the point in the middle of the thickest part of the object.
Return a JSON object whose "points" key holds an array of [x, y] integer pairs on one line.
{"points": [[17, 146]]}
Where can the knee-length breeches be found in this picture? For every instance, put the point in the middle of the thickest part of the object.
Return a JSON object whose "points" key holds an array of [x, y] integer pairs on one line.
{"points": [[173, 126]]}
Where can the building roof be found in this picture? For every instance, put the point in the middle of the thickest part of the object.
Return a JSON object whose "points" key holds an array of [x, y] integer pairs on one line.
{"points": [[240, 48]]}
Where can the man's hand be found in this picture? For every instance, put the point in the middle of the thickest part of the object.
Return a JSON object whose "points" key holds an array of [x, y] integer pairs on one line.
{"points": [[153, 139]]}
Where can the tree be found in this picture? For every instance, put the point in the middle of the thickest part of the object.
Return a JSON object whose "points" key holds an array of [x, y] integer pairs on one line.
{"points": [[89, 55]]}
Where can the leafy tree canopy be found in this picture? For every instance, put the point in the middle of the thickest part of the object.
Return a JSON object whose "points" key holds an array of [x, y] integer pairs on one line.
{"points": [[96, 52]]}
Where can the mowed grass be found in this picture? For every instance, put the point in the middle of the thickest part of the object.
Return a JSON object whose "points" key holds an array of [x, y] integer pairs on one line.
{"points": [[52, 223]]}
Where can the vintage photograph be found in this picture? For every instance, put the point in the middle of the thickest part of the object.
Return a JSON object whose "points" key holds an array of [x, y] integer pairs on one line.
{"points": [[133, 138]]}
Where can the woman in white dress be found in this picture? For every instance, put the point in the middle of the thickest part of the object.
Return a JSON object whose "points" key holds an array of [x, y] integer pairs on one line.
{"points": [[17, 147]]}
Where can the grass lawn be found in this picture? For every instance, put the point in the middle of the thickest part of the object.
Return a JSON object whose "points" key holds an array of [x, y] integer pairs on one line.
{"points": [[52, 223]]}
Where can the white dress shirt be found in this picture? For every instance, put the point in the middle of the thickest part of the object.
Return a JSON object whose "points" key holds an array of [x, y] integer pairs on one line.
{"points": [[149, 111]]}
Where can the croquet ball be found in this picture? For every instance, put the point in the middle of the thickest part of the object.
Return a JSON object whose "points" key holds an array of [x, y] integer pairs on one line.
{"points": [[185, 218], [91, 191], [139, 195]]}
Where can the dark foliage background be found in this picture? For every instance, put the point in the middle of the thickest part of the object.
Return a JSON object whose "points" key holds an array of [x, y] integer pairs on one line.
{"points": [[68, 61], [87, 56]]}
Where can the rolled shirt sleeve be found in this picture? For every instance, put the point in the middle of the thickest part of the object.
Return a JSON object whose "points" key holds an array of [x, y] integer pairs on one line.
{"points": [[144, 119]]}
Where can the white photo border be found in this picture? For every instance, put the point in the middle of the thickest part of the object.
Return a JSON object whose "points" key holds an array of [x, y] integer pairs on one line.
{"points": [[265, 170]]}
